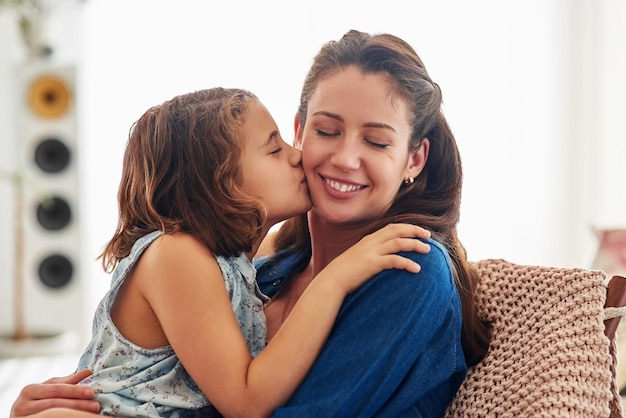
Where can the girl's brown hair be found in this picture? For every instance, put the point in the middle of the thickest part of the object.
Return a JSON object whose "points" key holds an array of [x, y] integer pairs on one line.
{"points": [[433, 201], [181, 173]]}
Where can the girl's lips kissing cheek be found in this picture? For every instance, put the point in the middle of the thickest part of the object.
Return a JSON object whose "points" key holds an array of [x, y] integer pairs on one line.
{"points": [[340, 189]]}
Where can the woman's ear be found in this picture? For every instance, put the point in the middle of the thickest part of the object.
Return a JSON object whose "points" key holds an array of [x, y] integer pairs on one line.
{"points": [[297, 128], [417, 160]]}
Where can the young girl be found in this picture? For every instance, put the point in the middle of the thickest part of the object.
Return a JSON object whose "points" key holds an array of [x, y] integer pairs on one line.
{"points": [[205, 176]]}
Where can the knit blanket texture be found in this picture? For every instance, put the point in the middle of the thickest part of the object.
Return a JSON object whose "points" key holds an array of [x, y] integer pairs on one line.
{"points": [[549, 356]]}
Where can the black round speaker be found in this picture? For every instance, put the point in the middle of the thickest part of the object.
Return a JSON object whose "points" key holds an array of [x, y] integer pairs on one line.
{"points": [[56, 271], [54, 213], [52, 155]]}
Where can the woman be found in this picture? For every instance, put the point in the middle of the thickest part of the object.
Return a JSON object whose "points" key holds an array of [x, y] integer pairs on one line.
{"points": [[376, 149]]}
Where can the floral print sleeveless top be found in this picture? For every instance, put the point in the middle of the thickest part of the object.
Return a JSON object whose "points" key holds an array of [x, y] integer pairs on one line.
{"points": [[133, 381]]}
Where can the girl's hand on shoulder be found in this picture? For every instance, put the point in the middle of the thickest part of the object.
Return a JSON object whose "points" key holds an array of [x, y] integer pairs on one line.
{"points": [[57, 392], [378, 251]]}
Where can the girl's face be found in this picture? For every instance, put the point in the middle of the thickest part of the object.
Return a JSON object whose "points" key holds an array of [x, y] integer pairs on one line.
{"points": [[271, 169], [355, 146]]}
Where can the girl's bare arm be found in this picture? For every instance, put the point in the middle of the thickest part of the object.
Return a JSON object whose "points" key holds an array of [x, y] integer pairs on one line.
{"points": [[184, 286]]}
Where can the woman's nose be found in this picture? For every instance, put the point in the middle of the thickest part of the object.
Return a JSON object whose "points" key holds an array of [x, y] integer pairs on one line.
{"points": [[345, 156]]}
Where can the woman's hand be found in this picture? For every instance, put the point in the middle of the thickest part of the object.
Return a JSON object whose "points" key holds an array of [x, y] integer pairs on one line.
{"points": [[58, 392]]}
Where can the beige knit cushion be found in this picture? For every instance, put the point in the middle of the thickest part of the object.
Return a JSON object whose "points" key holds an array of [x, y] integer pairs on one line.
{"points": [[549, 356]]}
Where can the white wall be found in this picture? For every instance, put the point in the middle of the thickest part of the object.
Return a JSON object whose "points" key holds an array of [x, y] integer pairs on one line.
{"points": [[533, 89]]}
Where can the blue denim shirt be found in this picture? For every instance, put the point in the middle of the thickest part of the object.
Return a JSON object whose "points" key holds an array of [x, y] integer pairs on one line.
{"points": [[395, 349]]}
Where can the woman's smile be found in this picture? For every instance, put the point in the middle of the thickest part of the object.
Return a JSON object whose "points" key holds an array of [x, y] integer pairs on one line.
{"points": [[341, 189]]}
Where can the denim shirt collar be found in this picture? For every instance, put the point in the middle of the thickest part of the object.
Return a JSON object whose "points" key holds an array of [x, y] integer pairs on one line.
{"points": [[276, 270]]}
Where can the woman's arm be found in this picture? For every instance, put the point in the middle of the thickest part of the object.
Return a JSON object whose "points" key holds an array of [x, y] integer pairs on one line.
{"points": [[188, 296], [59, 392], [64, 413]]}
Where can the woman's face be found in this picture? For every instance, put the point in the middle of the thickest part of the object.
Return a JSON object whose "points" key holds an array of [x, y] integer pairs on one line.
{"points": [[271, 169], [355, 146]]}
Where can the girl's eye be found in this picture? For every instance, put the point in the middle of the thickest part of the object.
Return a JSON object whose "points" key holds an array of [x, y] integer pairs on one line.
{"points": [[277, 150]]}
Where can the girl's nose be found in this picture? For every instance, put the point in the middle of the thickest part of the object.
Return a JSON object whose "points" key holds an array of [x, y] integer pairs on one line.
{"points": [[295, 156]]}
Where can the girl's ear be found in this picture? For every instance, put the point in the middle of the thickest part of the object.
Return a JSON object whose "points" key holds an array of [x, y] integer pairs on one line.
{"points": [[417, 160], [297, 128]]}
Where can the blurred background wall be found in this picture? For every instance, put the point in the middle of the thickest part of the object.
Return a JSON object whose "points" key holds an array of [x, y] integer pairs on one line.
{"points": [[534, 90]]}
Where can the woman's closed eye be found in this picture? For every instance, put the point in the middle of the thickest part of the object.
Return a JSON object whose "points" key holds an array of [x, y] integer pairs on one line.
{"points": [[377, 144], [326, 134]]}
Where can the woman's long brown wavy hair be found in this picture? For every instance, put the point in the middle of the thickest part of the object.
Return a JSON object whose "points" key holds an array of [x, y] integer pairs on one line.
{"points": [[181, 173], [433, 201]]}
